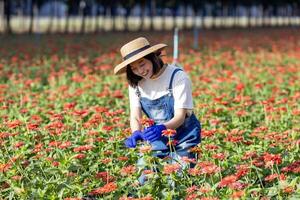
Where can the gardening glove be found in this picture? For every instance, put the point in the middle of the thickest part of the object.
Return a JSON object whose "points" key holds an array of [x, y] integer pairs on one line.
{"points": [[153, 132], [130, 142]]}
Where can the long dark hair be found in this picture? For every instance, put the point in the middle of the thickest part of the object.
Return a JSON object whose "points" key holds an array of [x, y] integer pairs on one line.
{"points": [[157, 63]]}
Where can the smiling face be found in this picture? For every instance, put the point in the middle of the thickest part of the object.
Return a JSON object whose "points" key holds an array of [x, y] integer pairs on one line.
{"points": [[143, 68]]}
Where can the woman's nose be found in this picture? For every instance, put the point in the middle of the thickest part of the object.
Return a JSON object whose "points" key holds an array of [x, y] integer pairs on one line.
{"points": [[141, 69]]}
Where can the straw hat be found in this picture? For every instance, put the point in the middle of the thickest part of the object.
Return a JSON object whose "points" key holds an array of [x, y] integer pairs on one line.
{"points": [[135, 50]]}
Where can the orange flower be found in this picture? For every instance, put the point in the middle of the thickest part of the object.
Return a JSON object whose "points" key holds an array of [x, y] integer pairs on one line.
{"points": [[147, 122], [271, 159], [205, 189], [148, 171], [274, 176], [242, 170], [169, 132], [80, 156], [228, 180], [188, 160], [83, 148], [125, 171], [191, 189], [145, 149], [171, 168], [194, 171], [104, 176], [219, 156], [5, 167], [65, 145], [237, 194], [108, 188], [106, 160], [288, 189], [196, 150]]}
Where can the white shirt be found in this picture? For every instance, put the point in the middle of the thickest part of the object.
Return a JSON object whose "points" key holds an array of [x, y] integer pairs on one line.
{"points": [[158, 87]]}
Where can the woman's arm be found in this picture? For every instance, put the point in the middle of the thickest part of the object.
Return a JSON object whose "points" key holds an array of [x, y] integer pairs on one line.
{"points": [[183, 100], [135, 118], [177, 120]]}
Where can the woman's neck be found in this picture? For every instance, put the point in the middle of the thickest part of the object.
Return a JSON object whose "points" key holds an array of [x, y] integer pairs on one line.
{"points": [[159, 73]]}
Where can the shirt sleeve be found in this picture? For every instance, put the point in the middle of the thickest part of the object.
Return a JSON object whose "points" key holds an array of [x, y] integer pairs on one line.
{"points": [[133, 98], [182, 91]]}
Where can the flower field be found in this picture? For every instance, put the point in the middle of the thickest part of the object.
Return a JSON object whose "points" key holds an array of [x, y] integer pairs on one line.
{"points": [[64, 117]]}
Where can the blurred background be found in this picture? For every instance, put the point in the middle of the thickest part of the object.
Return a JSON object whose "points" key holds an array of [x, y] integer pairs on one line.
{"points": [[93, 16]]}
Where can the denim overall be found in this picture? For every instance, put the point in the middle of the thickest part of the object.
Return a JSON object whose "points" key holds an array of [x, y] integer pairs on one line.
{"points": [[162, 110], [187, 135]]}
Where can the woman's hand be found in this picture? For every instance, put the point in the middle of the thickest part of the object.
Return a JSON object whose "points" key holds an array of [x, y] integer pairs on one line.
{"points": [[153, 132], [131, 141]]}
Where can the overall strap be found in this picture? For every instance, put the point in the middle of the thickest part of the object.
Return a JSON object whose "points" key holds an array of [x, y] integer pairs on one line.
{"points": [[137, 91], [172, 77]]}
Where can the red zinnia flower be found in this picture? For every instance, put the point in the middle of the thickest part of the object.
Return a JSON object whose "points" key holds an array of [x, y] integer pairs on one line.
{"points": [[293, 167], [19, 144], [228, 180], [105, 177], [106, 160], [83, 148], [274, 176], [242, 170], [171, 168], [128, 170], [147, 122], [108, 188], [271, 159], [205, 189], [80, 156], [169, 132], [188, 160], [194, 171], [145, 149], [191, 189], [191, 196], [5, 167], [64, 145], [237, 194], [208, 133], [219, 156]]}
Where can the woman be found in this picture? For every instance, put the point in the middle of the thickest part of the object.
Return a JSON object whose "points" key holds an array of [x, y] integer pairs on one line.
{"points": [[163, 93]]}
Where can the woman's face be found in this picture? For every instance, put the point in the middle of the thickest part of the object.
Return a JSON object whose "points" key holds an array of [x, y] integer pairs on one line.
{"points": [[143, 68]]}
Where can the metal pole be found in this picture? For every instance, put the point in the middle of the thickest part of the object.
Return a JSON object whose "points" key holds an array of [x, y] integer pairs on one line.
{"points": [[175, 46], [196, 37]]}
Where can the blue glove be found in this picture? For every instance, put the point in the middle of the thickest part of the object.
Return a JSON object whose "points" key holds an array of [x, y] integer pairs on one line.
{"points": [[130, 142], [153, 132]]}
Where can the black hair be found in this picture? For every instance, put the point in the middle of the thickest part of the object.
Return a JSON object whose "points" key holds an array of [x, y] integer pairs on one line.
{"points": [[157, 63]]}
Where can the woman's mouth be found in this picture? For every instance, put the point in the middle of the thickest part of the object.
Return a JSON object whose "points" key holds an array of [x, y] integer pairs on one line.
{"points": [[145, 74]]}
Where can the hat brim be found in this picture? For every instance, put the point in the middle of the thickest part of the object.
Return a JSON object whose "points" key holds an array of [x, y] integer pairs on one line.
{"points": [[121, 68]]}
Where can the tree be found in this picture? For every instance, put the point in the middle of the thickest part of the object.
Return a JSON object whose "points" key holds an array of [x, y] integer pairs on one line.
{"points": [[7, 13], [173, 6], [152, 13], [72, 8], [128, 5], [143, 13], [35, 6], [97, 21]]}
